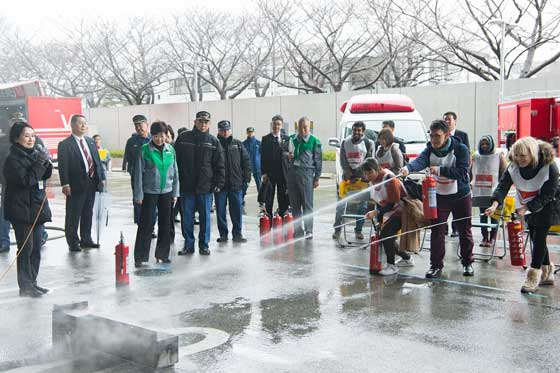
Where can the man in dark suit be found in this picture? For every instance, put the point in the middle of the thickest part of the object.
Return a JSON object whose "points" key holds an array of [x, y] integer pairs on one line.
{"points": [[451, 119], [274, 162], [81, 175]]}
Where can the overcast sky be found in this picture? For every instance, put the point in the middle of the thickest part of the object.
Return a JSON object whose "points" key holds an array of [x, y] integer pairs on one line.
{"points": [[40, 15]]}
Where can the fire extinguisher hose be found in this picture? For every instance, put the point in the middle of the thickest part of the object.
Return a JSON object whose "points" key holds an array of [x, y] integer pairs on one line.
{"points": [[413, 230], [20, 249]]}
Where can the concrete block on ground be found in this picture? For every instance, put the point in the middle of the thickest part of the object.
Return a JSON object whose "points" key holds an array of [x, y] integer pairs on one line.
{"points": [[76, 331]]}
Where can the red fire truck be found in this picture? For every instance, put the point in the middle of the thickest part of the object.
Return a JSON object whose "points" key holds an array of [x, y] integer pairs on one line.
{"points": [[49, 116], [536, 117]]}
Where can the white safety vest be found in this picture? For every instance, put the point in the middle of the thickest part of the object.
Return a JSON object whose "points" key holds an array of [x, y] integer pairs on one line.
{"points": [[387, 161], [485, 172], [379, 195], [444, 185], [355, 153], [527, 190]]}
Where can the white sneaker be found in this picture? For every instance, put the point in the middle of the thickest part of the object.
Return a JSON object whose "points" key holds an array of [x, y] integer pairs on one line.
{"points": [[405, 262], [389, 270]]}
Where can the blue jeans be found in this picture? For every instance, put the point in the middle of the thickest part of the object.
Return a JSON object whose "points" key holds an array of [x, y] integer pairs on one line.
{"points": [[257, 177], [4, 225], [360, 208], [234, 199], [191, 202]]}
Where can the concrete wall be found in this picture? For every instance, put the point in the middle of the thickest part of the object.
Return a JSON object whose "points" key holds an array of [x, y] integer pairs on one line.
{"points": [[474, 103]]}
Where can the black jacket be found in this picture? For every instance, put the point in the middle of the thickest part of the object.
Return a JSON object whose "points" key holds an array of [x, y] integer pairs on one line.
{"points": [[24, 174], [237, 162], [274, 157], [71, 167], [5, 150], [200, 160], [541, 207], [463, 137]]}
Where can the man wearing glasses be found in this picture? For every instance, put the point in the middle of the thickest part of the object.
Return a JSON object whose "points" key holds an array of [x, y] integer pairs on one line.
{"points": [[447, 158]]}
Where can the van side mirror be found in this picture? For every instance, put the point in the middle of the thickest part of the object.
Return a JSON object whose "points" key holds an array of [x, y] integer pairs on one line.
{"points": [[334, 142]]}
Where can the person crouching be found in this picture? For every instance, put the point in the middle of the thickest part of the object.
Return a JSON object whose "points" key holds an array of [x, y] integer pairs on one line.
{"points": [[387, 197]]}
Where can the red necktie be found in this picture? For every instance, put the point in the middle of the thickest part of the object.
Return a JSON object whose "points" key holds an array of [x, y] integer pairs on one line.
{"points": [[88, 158]]}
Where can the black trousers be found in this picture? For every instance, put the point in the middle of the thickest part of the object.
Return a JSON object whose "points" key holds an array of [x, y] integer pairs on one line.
{"points": [[29, 257], [280, 187], [79, 212], [539, 256], [390, 228], [163, 202]]}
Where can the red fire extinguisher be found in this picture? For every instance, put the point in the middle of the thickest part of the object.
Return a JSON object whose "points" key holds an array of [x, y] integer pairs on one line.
{"points": [[429, 199], [288, 226], [277, 228], [375, 255], [121, 263], [515, 238], [264, 227]]}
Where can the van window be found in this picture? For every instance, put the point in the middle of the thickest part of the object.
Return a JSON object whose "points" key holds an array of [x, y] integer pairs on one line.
{"points": [[410, 131]]}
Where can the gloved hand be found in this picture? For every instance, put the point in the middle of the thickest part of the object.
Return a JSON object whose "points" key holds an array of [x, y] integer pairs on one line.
{"points": [[216, 190], [43, 154]]}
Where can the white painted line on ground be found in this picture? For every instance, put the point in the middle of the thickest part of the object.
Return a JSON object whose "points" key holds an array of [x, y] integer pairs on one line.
{"points": [[212, 339], [451, 282]]}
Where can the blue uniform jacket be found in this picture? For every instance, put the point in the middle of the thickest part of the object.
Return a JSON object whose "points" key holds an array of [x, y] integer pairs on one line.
{"points": [[253, 147]]}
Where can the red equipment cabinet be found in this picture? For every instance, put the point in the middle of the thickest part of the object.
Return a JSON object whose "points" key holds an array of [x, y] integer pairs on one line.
{"points": [[537, 117], [49, 116]]}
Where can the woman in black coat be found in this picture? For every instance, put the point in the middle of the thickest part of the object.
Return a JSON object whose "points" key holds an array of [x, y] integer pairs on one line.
{"points": [[26, 169], [534, 174]]}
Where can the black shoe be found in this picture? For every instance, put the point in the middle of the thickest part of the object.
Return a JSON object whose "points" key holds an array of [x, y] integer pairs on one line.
{"points": [[336, 235], [433, 272], [204, 251], [137, 264], [42, 289], [154, 235], [223, 239], [468, 270], [89, 245], [4, 249], [163, 261], [30, 292], [239, 239], [74, 248], [454, 234], [186, 251], [309, 236]]}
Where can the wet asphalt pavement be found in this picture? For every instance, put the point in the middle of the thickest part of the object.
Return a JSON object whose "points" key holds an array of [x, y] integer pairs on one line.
{"points": [[305, 307]]}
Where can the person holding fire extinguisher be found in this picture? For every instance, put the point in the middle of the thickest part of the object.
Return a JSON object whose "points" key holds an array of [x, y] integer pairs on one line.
{"points": [[447, 159], [487, 169], [534, 174], [387, 197]]}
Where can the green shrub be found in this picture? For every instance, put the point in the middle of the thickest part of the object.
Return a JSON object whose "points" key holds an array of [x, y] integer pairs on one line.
{"points": [[116, 153], [329, 155]]}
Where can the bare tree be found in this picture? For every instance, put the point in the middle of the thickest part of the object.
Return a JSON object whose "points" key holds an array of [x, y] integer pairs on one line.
{"points": [[215, 43], [130, 60], [466, 40], [409, 62], [59, 66], [324, 44]]}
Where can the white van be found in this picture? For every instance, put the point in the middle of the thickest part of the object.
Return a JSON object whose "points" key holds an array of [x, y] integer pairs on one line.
{"points": [[373, 109]]}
